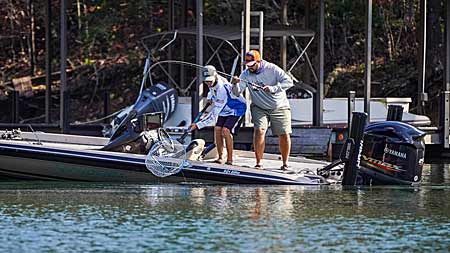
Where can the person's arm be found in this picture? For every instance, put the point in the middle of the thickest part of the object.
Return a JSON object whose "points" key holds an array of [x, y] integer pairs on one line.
{"points": [[238, 86], [284, 81], [219, 102]]}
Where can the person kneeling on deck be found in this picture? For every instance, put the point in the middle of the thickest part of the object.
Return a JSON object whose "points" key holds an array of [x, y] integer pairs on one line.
{"points": [[267, 86], [227, 111]]}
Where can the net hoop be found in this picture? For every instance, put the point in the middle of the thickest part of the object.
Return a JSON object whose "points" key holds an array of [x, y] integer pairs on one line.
{"points": [[166, 157]]}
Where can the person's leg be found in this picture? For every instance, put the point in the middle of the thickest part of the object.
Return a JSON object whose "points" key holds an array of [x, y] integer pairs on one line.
{"points": [[218, 137], [260, 123], [219, 141], [284, 142], [259, 144], [229, 128], [229, 143], [280, 121]]}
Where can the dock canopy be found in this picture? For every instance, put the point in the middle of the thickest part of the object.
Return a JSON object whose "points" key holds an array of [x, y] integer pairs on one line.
{"points": [[233, 33], [227, 35]]}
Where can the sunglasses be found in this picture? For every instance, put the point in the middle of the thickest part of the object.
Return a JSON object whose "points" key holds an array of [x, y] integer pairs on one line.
{"points": [[251, 66]]}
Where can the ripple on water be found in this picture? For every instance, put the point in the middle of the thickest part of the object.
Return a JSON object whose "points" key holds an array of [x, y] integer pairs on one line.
{"points": [[205, 218]]}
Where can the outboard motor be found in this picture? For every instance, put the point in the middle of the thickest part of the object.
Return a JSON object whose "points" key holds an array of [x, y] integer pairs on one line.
{"points": [[393, 153], [137, 143], [157, 98], [128, 127]]}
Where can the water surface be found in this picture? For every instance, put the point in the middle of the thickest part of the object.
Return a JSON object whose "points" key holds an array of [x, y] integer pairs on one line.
{"points": [[80, 217]]}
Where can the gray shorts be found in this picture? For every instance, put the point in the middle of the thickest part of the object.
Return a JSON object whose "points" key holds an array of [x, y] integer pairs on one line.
{"points": [[280, 119]]}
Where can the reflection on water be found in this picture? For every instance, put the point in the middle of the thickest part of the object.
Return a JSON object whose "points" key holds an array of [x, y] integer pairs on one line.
{"points": [[436, 174], [78, 217]]}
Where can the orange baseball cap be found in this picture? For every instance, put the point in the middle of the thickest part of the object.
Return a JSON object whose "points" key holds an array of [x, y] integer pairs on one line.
{"points": [[251, 57]]}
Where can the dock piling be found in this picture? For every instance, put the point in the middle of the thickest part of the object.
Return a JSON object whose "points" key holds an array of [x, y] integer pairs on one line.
{"points": [[359, 122], [15, 107], [350, 108], [395, 113], [444, 118]]}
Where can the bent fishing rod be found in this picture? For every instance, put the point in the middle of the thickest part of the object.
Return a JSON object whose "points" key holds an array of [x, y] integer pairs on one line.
{"points": [[253, 85]]}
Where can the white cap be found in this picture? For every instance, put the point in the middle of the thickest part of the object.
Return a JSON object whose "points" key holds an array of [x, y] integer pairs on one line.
{"points": [[209, 73]]}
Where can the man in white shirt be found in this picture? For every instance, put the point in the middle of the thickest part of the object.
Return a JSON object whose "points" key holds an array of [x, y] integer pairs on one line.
{"points": [[226, 113]]}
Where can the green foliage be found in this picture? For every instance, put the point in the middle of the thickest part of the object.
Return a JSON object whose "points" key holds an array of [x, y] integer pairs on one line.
{"points": [[104, 39]]}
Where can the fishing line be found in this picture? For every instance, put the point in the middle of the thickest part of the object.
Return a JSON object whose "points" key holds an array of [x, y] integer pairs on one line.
{"points": [[256, 86]]}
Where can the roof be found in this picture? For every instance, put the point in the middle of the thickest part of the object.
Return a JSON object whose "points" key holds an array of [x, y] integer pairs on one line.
{"points": [[232, 33]]}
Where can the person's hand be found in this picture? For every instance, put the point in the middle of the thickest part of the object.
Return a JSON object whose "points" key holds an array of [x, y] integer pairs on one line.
{"points": [[267, 88], [235, 80], [193, 127]]}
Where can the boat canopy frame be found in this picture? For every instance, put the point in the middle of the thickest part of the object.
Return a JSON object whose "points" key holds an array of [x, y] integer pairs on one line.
{"points": [[227, 35]]}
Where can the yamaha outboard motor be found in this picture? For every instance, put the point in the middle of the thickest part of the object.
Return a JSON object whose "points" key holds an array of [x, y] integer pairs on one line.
{"points": [[157, 98], [128, 126], [393, 153]]}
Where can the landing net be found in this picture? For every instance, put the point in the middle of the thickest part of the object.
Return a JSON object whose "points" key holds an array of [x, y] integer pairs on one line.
{"points": [[166, 158]]}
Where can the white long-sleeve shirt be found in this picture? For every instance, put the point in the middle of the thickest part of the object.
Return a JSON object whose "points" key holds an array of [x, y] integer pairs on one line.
{"points": [[218, 95]]}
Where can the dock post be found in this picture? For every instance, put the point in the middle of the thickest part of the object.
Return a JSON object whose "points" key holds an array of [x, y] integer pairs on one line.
{"points": [[395, 113], [106, 106], [444, 118], [63, 68], [350, 108], [65, 125], [15, 107], [359, 122]]}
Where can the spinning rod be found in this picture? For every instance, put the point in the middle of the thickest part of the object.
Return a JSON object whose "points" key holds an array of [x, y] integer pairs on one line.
{"points": [[253, 85]]}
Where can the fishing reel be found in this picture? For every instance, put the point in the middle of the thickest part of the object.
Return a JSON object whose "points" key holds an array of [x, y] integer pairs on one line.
{"points": [[12, 135]]}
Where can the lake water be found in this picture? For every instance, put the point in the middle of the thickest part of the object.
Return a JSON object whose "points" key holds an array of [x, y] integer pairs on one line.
{"points": [[85, 217]]}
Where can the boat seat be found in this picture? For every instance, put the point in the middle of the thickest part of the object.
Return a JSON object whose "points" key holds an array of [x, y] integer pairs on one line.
{"points": [[210, 153], [195, 149]]}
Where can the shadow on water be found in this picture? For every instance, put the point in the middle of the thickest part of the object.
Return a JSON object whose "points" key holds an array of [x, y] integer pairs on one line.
{"points": [[62, 216]]}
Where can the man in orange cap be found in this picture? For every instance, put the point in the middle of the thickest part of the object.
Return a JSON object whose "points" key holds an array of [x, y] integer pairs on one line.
{"points": [[267, 85]]}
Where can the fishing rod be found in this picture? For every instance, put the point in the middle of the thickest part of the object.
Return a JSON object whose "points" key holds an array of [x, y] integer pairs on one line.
{"points": [[181, 139], [253, 85]]}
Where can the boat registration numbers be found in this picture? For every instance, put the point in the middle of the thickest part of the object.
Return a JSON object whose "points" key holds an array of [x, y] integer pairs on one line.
{"points": [[232, 172]]}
